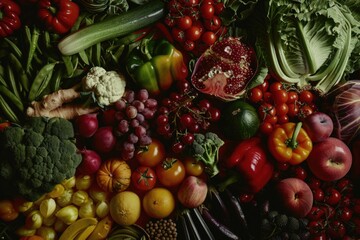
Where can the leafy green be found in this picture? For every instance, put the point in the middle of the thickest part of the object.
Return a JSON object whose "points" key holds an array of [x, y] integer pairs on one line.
{"points": [[310, 42]]}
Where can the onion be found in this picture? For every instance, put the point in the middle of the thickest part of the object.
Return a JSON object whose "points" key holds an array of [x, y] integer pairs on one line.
{"points": [[90, 163], [346, 110], [192, 192], [104, 140], [86, 124]]}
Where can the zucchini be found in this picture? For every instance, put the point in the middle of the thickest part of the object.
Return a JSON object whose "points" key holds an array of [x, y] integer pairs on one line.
{"points": [[112, 27]]}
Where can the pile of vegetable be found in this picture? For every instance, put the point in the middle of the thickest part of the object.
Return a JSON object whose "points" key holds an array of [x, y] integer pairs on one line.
{"points": [[179, 119]]}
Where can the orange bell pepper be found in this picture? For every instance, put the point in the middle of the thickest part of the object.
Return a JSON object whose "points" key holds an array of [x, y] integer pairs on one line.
{"points": [[290, 143]]}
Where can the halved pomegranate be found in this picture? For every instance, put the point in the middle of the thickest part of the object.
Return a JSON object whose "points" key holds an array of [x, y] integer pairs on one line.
{"points": [[225, 69]]}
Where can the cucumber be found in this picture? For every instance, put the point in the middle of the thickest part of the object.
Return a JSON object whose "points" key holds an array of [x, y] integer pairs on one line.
{"points": [[112, 27]]}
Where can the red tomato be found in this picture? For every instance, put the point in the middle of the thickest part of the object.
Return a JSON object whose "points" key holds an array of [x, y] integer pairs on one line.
{"points": [[293, 110], [193, 167], [143, 178], [275, 86], [266, 111], [184, 22], [152, 155], [306, 96], [170, 172], [256, 95], [207, 11], [280, 96], [292, 97], [208, 37], [193, 33]]}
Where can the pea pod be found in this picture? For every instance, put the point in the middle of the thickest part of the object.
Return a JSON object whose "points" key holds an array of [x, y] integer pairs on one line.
{"points": [[68, 65], [41, 81], [84, 57], [12, 97], [33, 46], [7, 111], [56, 79], [97, 54]]}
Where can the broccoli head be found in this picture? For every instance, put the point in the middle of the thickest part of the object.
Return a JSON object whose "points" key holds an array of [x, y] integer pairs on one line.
{"points": [[36, 156], [205, 148]]}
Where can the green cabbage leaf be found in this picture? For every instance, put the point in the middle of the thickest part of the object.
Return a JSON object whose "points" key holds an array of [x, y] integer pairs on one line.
{"points": [[311, 43]]}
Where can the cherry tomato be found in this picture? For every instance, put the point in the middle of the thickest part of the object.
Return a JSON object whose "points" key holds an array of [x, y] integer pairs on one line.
{"points": [[184, 22], [283, 119], [292, 97], [293, 110], [193, 33], [305, 111], [280, 96], [170, 172], [143, 178], [318, 194], [315, 213], [208, 38], [265, 85], [344, 214], [306, 96], [219, 7], [207, 11], [212, 24], [275, 86], [189, 45], [256, 95], [178, 34], [152, 155], [190, 3], [281, 109], [268, 97], [332, 196], [266, 111], [336, 229], [193, 167], [266, 128]]}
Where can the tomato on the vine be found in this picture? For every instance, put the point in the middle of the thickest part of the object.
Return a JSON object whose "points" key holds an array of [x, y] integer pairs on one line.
{"points": [[143, 178], [208, 38], [293, 110], [292, 97], [212, 24], [170, 172], [275, 86], [193, 33], [193, 167], [282, 109], [266, 128], [152, 155], [305, 111]]}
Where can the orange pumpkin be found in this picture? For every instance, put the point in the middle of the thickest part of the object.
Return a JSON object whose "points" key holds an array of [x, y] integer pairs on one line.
{"points": [[114, 175]]}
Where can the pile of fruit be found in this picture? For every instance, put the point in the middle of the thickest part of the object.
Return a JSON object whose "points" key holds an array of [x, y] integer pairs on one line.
{"points": [[179, 119]]}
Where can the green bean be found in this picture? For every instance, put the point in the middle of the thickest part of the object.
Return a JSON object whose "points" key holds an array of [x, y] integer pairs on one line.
{"points": [[13, 86], [15, 62], [97, 54], [15, 50], [47, 39], [7, 111], [14, 99], [75, 62], [68, 65], [2, 81], [33, 45], [41, 81]]}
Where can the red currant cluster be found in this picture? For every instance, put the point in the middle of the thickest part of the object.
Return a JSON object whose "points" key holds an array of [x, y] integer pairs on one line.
{"points": [[181, 114], [195, 24], [279, 103]]}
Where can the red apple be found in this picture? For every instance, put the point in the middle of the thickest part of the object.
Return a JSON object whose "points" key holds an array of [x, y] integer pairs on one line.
{"points": [[295, 196], [330, 159], [318, 126]]}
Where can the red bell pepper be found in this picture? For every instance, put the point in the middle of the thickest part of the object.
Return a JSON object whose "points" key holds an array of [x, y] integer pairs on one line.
{"points": [[58, 15], [252, 165], [9, 17]]}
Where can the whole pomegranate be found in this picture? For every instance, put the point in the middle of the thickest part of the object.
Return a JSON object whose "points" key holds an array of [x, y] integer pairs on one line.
{"points": [[225, 69]]}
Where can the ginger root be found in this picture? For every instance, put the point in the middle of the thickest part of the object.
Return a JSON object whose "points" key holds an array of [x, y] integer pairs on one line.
{"points": [[58, 104]]}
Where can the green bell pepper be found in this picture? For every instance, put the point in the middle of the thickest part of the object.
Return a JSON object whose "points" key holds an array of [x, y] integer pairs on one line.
{"points": [[155, 65]]}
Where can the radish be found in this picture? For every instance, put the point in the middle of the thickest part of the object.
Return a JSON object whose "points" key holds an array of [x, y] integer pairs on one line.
{"points": [[104, 140], [90, 163], [86, 124]]}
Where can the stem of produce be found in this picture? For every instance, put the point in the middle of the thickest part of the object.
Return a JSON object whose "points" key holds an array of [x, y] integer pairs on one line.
{"points": [[112, 27]]}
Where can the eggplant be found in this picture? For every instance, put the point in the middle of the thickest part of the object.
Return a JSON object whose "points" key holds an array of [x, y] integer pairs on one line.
{"points": [[218, 205], [238, 214], [222, 230]]}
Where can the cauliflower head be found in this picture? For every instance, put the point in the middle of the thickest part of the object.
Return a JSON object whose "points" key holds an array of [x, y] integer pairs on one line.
{"points": [[36, 157], [107, 86]]}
